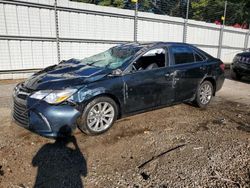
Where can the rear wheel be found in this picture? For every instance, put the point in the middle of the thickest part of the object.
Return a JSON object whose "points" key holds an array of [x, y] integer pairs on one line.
{"points": [[204, 94], [235, 75], [98, 116]]}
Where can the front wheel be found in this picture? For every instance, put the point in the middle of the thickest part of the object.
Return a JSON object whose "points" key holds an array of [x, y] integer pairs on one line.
{"points": [[98, 116], [204, 94]]}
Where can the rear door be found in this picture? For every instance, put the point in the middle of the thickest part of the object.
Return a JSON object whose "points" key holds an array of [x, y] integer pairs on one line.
{"points": [[188, 67]]}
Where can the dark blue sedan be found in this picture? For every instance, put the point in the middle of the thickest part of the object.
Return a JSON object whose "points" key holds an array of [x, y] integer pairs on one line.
{"points": [[127, 79]]}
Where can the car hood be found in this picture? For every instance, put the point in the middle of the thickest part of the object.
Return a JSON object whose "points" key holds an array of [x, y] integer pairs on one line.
{"points": [[67, 74], [244, 54]]}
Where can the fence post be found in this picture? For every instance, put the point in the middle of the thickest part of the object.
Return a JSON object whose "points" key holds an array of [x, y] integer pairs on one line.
{"points": [[247, 39], [222, 32], [185, 24], [136, 22], [57, 33]]}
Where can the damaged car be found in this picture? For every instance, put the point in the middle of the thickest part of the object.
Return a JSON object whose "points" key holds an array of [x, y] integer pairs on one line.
{"points": [[124, 80]]}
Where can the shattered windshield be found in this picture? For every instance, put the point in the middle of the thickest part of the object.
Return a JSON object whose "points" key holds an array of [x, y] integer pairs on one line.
{"points": [[112, 58]]}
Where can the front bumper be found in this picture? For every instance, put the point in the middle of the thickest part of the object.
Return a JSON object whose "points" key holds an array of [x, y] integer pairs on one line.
{"points": [[241, 68], [45, 119]]}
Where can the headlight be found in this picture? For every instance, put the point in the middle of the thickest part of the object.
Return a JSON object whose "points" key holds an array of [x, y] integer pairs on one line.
{"points": [[15, 90], [53, 96]]}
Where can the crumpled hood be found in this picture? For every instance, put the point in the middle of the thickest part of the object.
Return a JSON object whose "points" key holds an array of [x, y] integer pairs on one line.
{"points": [[66, 74]]}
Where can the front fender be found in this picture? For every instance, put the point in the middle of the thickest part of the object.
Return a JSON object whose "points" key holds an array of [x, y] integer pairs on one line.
{"points": [[86, 94]]}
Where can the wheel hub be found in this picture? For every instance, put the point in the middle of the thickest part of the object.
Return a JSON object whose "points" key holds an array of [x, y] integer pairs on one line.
{"points": [[100, 116], [205, 93]]}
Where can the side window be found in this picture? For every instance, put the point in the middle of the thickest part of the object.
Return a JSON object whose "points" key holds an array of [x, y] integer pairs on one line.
{"points": [[198, 57], [151, 60], [183, 54]]}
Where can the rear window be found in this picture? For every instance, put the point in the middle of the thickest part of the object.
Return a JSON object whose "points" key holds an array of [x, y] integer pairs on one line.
{"points": [[198, 58], [183, 54]]}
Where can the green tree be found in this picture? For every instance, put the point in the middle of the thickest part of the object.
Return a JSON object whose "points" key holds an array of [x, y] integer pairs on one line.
{"points": [[144, 5], [238, 11], [114, 3], [211, 10]]}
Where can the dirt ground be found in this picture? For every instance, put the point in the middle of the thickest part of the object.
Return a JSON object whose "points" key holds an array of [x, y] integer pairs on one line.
{"points": [[178, 146]]}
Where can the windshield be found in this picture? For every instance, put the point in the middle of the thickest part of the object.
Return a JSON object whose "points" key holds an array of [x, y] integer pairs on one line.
{"points": [[112, 58]]}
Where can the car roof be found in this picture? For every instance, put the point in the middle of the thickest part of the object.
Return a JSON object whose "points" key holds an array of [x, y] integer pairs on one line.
{"points": [[152, 44], [148, 45]]}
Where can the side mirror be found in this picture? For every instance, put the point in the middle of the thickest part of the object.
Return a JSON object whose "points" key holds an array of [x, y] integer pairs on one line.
{"points": [[117, 72]]}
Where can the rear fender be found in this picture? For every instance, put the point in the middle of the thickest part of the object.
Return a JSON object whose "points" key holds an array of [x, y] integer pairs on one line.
{"points": [[206, 77], [212, 79]]}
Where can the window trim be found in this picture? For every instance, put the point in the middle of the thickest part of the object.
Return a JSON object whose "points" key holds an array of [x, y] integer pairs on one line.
{"points": [[172, 64], [173, 59], [166, 48], [196, 54], [197, 50]]}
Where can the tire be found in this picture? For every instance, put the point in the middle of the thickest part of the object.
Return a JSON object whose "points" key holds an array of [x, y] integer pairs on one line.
{"points": [[92, 120], [204, 94], [235, 75]]}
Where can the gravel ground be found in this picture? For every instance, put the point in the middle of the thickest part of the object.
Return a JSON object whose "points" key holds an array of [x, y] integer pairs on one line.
{"points": [[178, 146]]}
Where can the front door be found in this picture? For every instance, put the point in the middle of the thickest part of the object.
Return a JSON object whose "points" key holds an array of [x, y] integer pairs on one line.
{"points": [[147, 85]]}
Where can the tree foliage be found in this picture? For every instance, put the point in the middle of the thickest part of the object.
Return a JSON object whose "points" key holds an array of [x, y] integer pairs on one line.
{"points": [[211, 10], [238, 11]]}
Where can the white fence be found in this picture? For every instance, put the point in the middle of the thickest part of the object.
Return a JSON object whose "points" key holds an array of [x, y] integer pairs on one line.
{"points": [[28, 33]]}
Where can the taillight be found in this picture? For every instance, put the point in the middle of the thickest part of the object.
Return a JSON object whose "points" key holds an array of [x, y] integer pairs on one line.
{"points": [[222, 66]]}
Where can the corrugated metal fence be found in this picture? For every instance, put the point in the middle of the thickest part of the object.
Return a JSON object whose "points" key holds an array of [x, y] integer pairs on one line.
{"points": [[36, 33]]}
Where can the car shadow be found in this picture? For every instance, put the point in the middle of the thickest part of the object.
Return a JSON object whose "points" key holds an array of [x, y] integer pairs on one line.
{"points": [[59, 165]]}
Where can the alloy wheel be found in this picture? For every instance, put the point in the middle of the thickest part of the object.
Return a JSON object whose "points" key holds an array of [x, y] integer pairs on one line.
{"points": [[205, 93], [100, 116]]}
